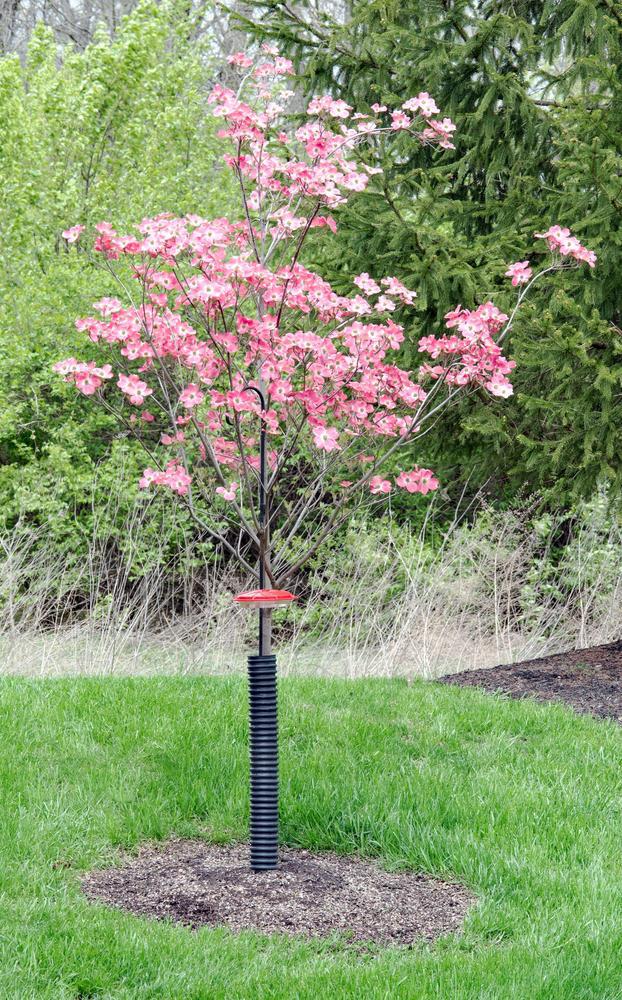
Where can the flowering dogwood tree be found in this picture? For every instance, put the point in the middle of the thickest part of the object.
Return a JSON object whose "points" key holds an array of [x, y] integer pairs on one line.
{"points": [[244, 373], [219, 329]]}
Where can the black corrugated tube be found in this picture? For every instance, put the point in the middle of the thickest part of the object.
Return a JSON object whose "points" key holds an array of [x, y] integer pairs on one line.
{"points": [[264, 761]]}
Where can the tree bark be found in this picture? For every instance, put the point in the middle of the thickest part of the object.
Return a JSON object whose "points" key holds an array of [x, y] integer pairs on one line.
{"points": [[265, 647]]}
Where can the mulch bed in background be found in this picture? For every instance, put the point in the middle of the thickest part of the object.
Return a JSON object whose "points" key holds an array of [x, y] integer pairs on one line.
{"points": [[318, 895], [590, 680]]}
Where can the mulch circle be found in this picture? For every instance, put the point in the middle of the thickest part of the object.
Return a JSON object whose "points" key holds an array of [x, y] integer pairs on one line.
{"points": [[589, 680], [314, 894]]}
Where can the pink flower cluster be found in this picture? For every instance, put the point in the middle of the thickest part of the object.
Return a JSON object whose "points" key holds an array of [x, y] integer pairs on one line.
{"points": [[87, 376], [340, 381], [471, 356], [416, 481], [323, 168], [174, 476], [561, 241]]}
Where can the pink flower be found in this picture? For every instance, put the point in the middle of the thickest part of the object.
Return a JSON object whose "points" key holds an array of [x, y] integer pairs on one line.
{"points": [[366, 284], [228, 493], [379, 485], [191, 396], [499, 386], [167, 439], [418, 481], [174, 476], [422, 103], [149, 478], [177, 479], [87, 383], [326, 438], [397, 289], [240, 59], [554, 235], [584, 255], [108, 306], [241, 401], [147, 417], [439, 132], [336, 109], [134, 388], [280, 390], [86, 376], [399, 120], [73, 234], [324, 220], [520, 272], [65, 367]]}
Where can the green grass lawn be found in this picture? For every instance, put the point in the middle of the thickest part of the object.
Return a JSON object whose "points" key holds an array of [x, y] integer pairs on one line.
{"points": [[521, 802]]}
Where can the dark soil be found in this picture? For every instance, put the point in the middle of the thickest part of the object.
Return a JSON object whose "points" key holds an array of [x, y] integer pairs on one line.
{"points": [[590, 680], [318, 895]]}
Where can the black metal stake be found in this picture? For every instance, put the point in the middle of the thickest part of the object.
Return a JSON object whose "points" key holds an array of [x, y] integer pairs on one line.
{"points": [[264, 759]]}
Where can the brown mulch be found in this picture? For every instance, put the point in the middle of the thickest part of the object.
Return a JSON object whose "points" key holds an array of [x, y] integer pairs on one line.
{"points": [[318, 895], [589, 680]]}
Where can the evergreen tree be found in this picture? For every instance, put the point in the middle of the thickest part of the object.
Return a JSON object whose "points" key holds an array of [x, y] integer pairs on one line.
{"points": [[535, 91]]}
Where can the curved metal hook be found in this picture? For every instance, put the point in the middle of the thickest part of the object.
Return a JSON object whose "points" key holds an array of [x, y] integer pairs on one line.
{"points": [[262, 480]]}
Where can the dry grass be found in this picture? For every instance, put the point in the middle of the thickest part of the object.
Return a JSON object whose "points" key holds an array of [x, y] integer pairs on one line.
{"points": [[497, 590]]}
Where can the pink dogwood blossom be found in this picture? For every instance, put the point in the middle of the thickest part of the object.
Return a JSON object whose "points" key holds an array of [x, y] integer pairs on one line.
{"points": [[240, 59], [173, 476], [418, 481], [191, 396], [72, 234], [379, 485], [367, 284], [326, 438], [229, 492], [134, 388], [422, 103], [87, 376], [520, 272], [399, 120], [561, 241], [439, 132], [336, 109]]}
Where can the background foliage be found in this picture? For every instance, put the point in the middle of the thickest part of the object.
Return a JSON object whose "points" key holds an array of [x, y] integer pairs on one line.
{"points": [[115, 132], [115, 126]]}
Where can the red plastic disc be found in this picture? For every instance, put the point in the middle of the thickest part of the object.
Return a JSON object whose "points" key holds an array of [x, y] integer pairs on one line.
{"points": [[265, 597]]}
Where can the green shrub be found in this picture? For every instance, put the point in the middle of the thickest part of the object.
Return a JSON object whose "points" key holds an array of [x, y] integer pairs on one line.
{"points": [[116, 132]]}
